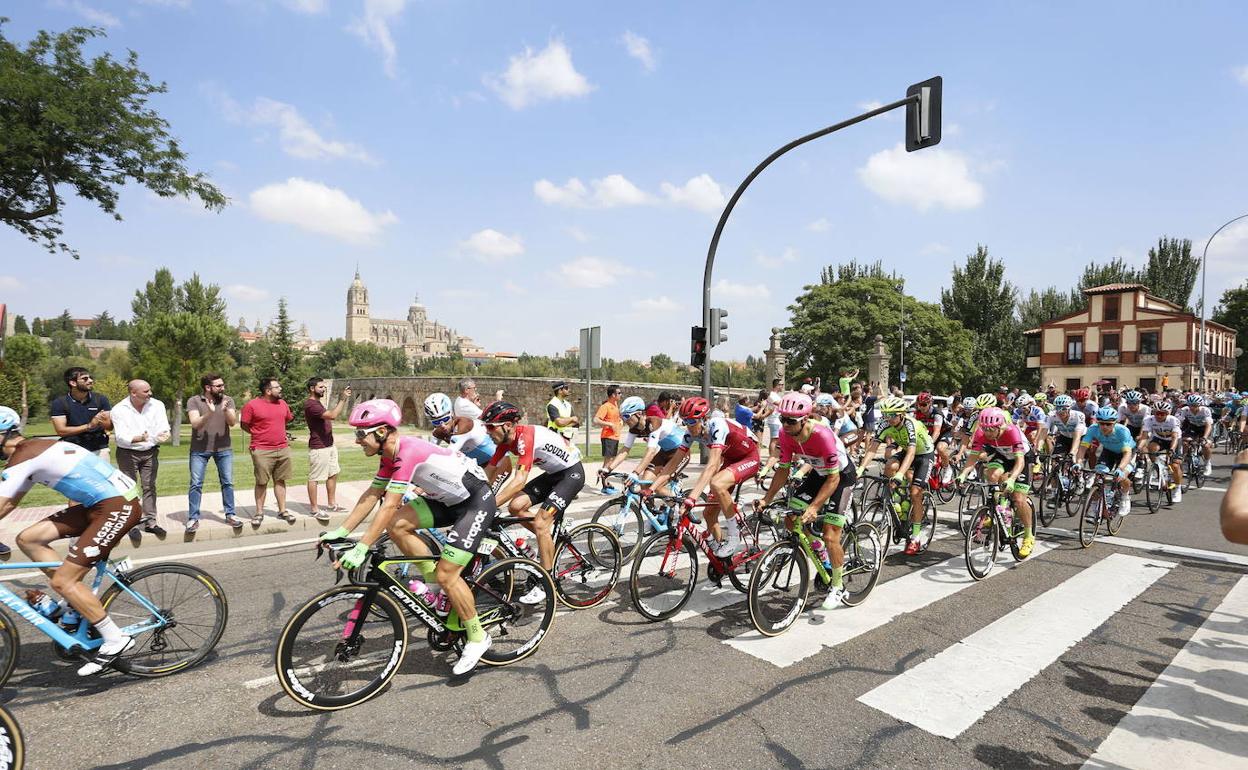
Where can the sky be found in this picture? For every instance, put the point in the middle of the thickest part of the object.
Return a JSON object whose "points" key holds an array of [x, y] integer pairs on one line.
{"points": [[528, 169]]}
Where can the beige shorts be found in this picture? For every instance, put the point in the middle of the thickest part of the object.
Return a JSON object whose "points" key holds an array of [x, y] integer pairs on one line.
{"points": [[323, 463], [271, 464]]}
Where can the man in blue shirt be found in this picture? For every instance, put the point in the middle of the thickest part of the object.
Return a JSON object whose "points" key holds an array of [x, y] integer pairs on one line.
{"points": [[1117, 447], [82, 416], [743, 414]]}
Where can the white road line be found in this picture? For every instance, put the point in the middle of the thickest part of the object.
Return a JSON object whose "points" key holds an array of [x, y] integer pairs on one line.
{"points": [[1147, 545], [948, 693], [1193, 714], [814, 631]]}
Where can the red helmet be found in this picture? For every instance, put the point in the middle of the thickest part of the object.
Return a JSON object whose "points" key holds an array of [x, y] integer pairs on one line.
{"points": [[694, 408], [923, 399], [1083, 394], [500, 412]]}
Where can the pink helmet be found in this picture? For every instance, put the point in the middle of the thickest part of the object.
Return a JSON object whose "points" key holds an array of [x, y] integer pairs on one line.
{"points": [[379, 411], [991, 418], [795, 404]]}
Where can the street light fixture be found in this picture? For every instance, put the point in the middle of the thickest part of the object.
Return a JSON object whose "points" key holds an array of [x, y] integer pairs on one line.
{"points": [[1202, 295]]}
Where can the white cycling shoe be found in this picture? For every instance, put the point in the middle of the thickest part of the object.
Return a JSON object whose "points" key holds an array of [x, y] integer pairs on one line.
{"points": [[105, 656], [1178, 494], [834, 599], [536, 595], [731, 545], [471, 656]]}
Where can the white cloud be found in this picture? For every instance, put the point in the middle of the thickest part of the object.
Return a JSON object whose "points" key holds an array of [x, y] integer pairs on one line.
{"points": [[701, 193], [933, 177], [592, 272], [514, 289], [245, 293], [10, 283], [577, 234], [490, 245], [374, 29], [94, 15], [533, 77], [572, 193], [318, 208], [656, 305], [820, 225], [307, 6], [609, 192], [726, 289], [952, 129], [1228, 252], [296, 135], [870, 105], [639, 48], [615, 190], [786, 256], [1241, 74]]}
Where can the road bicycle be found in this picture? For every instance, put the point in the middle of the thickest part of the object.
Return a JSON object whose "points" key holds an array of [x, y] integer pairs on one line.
{"points": [[344, 645], [1060, 485], [1102, 505], [665, 569], [989, 526], [889, 513], [632, 515], [1193, 465], [780, 584], [587, 559], [12, 746], [1158, 482], [175, 612], [943, 481]]}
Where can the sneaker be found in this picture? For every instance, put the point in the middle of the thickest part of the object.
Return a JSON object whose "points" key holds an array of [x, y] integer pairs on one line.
{"points": [[608, 490], [5, 550], [192, 526], [336, 508], [234, 521], [471, 655], [1178, 494], [1024, 550], [1209, 468], [106, 655], [1125, 508], [912, 547], [834, 599], [156, 530], [730, 545], [322, 516], [536, 595]]}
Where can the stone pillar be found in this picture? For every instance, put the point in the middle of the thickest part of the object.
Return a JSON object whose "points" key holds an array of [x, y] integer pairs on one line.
{"points": [[777, 358], [877, 364]]}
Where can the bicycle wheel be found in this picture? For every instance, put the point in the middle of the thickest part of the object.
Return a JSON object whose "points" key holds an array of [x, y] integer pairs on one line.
{"points": [[928, 522], [983, 540], [624, 520], [946, 489], [1198, 470], [192, 610], [587, 565], [12, 745], [778, 587], [864, 558], [1050, 498], [321, 667], [1113, 522], [878, 516], [515, 629], [972, 500], [1090, 517], [1152, 486], [663, 575], [1074, 500]]}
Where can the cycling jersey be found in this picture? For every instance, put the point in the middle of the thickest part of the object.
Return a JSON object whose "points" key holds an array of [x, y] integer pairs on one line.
{"points": [[1199, 416], [476, 443], [1068, 427], [1008, 444], [820, 451], [1118, 441], [668, 436], [910, 432], [67, 468], [1031, 418], [934, 420], [438, 471], [1134, 418], [1088, 408], [540, 446], [1162, 430], [730, 436]]}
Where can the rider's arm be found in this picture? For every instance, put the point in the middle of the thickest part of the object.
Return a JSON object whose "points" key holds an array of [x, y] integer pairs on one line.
{"points": [[646, 459], [907, 460], [515, 483], [1234, 513], [669, 470], [389, 505], [873, 444], [364, 506], [778, 480]]}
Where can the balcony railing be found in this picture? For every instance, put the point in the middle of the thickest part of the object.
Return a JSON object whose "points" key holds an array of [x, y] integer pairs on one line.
{"points": [[1148, 358], [1109, 358]]}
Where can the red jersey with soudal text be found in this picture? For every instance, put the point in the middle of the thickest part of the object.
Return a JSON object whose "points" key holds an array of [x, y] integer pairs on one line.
{"points": [[540, 446]]}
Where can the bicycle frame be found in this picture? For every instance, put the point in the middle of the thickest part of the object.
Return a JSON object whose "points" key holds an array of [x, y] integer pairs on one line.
{"points": [[80, 637]]}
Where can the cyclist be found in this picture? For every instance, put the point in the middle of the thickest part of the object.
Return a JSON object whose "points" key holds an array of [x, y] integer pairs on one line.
{"points": [[1065, 427], [1117, 447], [1086, 404], [421, 485], [1029, 416], [831, 479], [1197, 420], [1133, 412], [928, 412], [732, 458], [901, 429], [1164, 429], [561, 481], [461, 433], [106, 507], [1042, 401], [1003, 445]]}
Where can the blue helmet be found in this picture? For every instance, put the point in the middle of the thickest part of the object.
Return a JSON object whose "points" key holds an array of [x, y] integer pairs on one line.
{"points": [[9, 419], [1107, 414], [631, 406], [1195, 399]]}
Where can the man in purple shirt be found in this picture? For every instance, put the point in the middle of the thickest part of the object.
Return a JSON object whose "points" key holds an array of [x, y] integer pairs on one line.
{"points": [[322, 454]]}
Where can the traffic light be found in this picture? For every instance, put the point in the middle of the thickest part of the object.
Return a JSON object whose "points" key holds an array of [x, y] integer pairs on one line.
{"points": [[719, 327], [697, 347]]}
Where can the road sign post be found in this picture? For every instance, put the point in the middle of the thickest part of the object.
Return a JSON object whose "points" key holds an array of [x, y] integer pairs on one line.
{"points": [[591, 358]]}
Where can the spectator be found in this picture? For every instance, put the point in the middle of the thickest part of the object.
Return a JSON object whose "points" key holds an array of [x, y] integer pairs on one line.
{"points": [[719, 405], [608, 419], [211, 414], [773, 425], [468, 403], [265, 418], [140, 426], [322, 454], [661, 407], [1235, 502], [559, 417], [82, 416], [761, 410], [743, 413], [847, 377]]}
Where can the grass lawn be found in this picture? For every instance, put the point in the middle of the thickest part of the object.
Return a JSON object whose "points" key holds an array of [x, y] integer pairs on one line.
{"points": [[175, 472]]}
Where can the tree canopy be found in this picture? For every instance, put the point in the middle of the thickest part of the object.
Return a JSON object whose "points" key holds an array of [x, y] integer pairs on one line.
{"points": [[1232, 310]]}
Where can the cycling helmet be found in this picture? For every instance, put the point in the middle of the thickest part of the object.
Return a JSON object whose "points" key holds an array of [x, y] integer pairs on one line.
{"points": [[1133, 396], [894, 405], [1162, 406], [631, 406], [795, 404], [1195, 399], [969, 403], [1107, 414], [1083, 394], [991, 417], [986, 400], [825, 399], [500, 412], [9, 419], [923, 399], [378, 411], [1063, 402], [694, 408], [1042, 397], [1024, 401], [438, 407]]}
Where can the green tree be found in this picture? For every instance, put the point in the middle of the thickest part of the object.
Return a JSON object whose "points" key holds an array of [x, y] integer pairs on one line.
{"points": [[63, 322], [851, 270], [81, 125], [1040, 307], [661, 362], [23, 355], [103, 327], [1232, 311], [982, 300], [1099, 274], [64, 344], [36, 327], [20, 326], [158, 297], [341, 359], [1172, 271]]}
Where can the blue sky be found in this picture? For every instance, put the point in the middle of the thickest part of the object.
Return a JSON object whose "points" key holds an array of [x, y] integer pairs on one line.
{"points": [[531, 168]]}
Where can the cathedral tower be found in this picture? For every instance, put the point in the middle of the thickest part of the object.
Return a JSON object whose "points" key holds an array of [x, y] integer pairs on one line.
{"points": [[357, 311]]}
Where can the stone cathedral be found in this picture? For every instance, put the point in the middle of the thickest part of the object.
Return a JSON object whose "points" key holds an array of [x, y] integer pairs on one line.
{"points": [[418, 337]]}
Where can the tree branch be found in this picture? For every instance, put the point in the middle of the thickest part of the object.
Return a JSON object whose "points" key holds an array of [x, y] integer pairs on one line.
{"points": [[26, 216]]}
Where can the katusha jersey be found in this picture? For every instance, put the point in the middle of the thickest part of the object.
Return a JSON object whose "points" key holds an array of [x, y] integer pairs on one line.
{"points": [[69, 469], [438, 471], [823, 451], [730, 436], [540, 446]]}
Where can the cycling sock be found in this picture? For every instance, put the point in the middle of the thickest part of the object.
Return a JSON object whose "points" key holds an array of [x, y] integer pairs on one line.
{"points": [[837, 573], [915, 529], [108, 630], [427, 567], [473, 629]]}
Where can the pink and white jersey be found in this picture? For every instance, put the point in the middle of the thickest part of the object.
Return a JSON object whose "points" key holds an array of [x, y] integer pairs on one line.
{"points": [[823, 451], [1010, 441], [438, 471]]}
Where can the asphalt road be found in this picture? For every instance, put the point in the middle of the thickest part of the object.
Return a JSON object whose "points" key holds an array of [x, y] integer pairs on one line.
{"points": [[933, 671]]}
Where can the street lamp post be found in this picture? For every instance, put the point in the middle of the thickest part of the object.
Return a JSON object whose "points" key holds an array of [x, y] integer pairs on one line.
{"points": [[1203, 262]]}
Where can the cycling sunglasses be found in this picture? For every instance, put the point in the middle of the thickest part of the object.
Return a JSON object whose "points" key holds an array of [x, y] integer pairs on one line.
{"points": [[694, 421], [792, 420], [362, 432], [440, 422]]}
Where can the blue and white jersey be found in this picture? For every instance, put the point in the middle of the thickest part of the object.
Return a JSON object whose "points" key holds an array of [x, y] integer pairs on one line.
{"points": [[1118, 441], [77, 473], [1133, 418], [1199, 416], [476, 443], [1162, 430]]}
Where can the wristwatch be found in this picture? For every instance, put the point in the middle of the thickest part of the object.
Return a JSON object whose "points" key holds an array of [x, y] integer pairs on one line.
{"points": [[1239, 467]]}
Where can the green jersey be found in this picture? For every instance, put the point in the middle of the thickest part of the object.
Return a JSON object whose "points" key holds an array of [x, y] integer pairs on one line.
{"points": [[909, 433]]}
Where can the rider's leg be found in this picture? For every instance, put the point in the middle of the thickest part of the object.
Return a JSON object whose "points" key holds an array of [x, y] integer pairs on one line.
{"points": [[543, 523], [34, 542], [67, 581], [1022, 505]]}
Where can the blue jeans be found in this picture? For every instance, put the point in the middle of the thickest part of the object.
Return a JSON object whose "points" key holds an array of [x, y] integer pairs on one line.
{"points": [[225, 471]]}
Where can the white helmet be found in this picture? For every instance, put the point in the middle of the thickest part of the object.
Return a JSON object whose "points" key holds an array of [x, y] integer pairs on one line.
{"points": [[438, 407], [9, 419]]}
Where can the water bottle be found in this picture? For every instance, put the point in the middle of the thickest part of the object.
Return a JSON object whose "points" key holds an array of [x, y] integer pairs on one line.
{"points": [[435, 599], [523, 544], [821, 552], [70, 619], [1006, 513], [45, 605]]}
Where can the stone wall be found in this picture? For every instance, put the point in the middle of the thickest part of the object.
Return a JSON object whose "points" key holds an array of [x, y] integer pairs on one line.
{"points": [[530, 394]]}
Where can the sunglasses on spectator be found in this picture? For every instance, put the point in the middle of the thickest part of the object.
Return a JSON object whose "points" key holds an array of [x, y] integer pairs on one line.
{"points": [[362, 432]]}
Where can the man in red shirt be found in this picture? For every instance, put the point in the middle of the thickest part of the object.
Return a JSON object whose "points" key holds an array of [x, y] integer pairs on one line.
{"points": [[265, 418]]}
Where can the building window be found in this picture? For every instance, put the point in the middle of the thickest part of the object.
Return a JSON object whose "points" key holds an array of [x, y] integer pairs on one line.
{"points": [[1148, 343], [1074, 350], [1109, 344], [1111, 307], [1033, 345], [1148, 384], [1072, 384]]}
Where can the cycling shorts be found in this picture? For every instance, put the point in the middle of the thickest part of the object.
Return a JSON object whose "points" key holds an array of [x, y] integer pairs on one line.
{"points": [[468, 519], [663, 458], [1062, 445], [743, 469], [1112, 459], [921, 466], [1194, 432], [556, 490], [98, 528], [1023, 482], [831, 513]]}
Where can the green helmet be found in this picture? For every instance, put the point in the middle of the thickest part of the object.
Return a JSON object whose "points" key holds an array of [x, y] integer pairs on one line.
{"points": [[985, 400], [894, 405]]}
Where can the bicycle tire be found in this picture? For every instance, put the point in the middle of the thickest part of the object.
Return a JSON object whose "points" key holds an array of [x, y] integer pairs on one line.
{"points": [[1090, 517], [1050, 499], [382, 609], [863, 558], [628, 525], [155, 642], [878, 516], [1074, 501], [778, 568], [1152, 486], [928, 522], [659, 554], [982, 542], [585, 573], [14, 755], [10, 647], [946, 489], [501, 609]]}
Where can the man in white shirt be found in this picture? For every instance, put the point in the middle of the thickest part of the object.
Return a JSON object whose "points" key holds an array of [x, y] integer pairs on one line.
{"points": [[468, 403], [139, 427]]}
